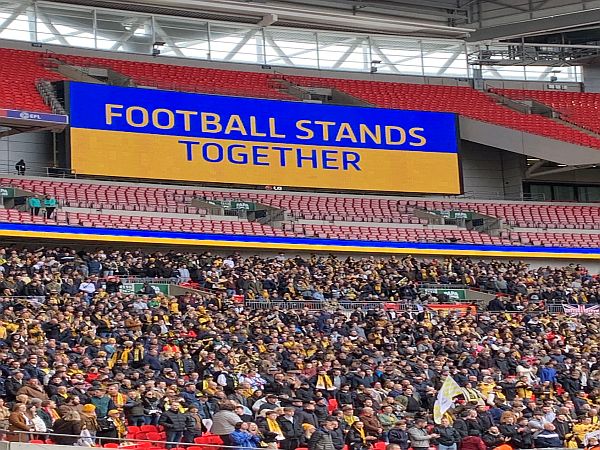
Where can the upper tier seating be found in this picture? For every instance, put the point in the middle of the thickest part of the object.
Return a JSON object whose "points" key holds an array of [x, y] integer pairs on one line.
{"points": [[525, 215], [19, 71], [579, 108], [21, 68], [334, 209], [461, 100]]}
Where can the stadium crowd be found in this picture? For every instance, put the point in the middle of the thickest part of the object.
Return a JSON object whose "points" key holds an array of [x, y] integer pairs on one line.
{"points": [[81, 359]]}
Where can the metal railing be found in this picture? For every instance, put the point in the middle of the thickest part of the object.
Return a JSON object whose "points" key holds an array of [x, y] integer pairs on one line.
{"points": [[22, 437], [316, 305]]}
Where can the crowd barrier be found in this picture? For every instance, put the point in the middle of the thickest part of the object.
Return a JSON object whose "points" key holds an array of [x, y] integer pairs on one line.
{"points": [[22, 440], [136, 444], [398, 307]]}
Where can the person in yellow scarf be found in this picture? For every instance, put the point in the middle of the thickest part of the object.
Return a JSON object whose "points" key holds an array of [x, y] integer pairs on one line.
{"points": [[357, 438], [348, 415], [118, 398], [323, 381], [272, 425]]}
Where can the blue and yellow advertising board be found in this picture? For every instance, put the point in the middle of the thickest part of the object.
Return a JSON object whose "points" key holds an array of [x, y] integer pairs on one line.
{"points": [[147, 133]]}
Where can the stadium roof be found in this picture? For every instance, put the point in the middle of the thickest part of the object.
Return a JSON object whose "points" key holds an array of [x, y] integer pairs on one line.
{"points": [[552, 21]]}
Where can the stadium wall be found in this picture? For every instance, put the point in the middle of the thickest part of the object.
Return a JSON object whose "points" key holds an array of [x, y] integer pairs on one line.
{"points": [[34, 148], [490, 172]]}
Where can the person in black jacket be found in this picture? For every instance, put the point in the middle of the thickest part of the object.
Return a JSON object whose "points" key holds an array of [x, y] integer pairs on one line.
{"points": [[338, 435], [175, 423], [449, 436], [307, 414], [493, 438], [399, 435], [344, 396], [291, 427], [357, 437]]}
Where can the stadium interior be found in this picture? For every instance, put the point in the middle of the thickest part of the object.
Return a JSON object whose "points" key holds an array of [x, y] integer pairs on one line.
{"points": [[240, 224]]}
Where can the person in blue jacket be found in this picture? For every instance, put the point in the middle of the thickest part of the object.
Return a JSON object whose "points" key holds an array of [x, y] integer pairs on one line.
{"points": [[34, 206], [242, 439]]}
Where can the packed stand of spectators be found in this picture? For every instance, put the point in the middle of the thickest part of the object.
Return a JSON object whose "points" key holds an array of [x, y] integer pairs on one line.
{"points": [[80, 359]]}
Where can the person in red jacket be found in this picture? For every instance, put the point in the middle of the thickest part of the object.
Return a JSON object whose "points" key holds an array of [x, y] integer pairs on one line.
{"points": [[472, 442]]}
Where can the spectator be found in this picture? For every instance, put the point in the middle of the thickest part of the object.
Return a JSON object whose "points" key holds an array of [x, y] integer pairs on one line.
{"points": [[89, 423], [473, 441], [19, 422], [175, 422], [50, 204], [291, 428], [418, 435], [69, 426], [548, 437], [399, 435], [242, 438], [448, 438], [320, 439], [357, 437], [20, 167], [224, 422], [35, 205]]}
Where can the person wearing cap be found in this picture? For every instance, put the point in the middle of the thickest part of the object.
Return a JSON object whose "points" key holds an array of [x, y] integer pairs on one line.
{"points": [[271, 402], [420, 438]]}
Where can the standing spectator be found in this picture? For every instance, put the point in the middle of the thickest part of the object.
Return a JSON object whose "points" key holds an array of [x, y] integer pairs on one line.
{"points": [[224, 422], [112, 427], [357, 437], [399, 435], [449, 436], [493, 438], [18, 421], [291, 427], [195, 427], [89, 423], [175, 423], [134, 409], [20, 167], [49, 205], [70, 425], [34, 205], [371, 423], [548, 437], [321, 438], [419, 437], [242, 438], [102, 402], [388, 419]]}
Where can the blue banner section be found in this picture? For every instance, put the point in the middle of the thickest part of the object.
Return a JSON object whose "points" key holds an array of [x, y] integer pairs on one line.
{"points": [[318, 243], [38, 116], [155, 112]]}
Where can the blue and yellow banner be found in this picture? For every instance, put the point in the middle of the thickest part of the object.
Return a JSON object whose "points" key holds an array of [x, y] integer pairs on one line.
{"points": [[147, 133]]}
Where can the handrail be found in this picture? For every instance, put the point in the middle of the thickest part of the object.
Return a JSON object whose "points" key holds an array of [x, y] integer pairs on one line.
{"points": [[120, 440]]}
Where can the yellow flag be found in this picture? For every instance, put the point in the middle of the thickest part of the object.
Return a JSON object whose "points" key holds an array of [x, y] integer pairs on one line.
{"points": [[449, 390]]}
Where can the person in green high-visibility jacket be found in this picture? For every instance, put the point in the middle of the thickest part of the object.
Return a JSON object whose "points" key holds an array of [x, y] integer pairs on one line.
{"points": [[49, 205], [34, 205]]}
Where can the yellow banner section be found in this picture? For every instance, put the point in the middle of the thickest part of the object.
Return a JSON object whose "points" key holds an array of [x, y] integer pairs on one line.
{"points": [[122, 154]]}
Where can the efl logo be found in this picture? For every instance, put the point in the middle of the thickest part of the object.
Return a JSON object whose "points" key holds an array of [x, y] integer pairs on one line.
{"points": [[26, 115]]}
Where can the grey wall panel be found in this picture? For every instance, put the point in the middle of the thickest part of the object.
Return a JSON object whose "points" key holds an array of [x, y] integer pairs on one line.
{"points": [[34, 148]]}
